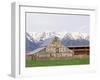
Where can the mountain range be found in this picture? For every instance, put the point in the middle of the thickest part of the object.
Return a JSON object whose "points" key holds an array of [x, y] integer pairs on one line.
{"points": [[36, 39]]}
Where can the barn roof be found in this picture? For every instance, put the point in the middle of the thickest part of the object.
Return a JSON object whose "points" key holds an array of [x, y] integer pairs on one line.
{"points": [[79, 46], [35, 51]]}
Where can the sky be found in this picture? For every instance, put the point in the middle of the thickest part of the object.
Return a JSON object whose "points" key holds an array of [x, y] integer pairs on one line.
{"points": [[37, 22]]}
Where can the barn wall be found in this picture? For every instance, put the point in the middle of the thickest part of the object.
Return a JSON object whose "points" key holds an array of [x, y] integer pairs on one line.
{"points": [[80, 50]]}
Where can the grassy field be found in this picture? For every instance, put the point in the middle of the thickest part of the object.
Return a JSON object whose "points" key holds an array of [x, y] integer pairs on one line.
{"points": [[68, 61]]}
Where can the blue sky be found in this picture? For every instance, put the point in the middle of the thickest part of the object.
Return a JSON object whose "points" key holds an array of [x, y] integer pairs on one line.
{"points": [[37, 22]]}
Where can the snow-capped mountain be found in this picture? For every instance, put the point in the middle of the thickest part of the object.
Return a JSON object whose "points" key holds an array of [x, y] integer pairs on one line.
{"points": [[30, 43], [39, 36], [76, 35], [36, 39], [75, 39]]}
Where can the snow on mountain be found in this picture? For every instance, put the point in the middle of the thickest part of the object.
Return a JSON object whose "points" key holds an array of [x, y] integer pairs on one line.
{"points": [[87, 37], [30, 43], [75, 39], [76, 35], [39, 36], [29, 37], [68, 36]]}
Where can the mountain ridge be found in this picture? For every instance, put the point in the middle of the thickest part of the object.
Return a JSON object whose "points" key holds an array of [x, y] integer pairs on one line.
{"points": [[44, 35], [35, 40]]}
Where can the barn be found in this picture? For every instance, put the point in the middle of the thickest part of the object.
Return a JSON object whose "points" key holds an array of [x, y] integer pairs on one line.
{"points": [[51, 49]]}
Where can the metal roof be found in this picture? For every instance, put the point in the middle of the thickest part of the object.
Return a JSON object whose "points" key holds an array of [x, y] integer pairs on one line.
{"points": [[35, 51], [79, 46]]}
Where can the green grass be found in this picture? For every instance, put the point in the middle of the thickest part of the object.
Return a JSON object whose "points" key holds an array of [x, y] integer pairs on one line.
{"points": [[68, 61]]}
